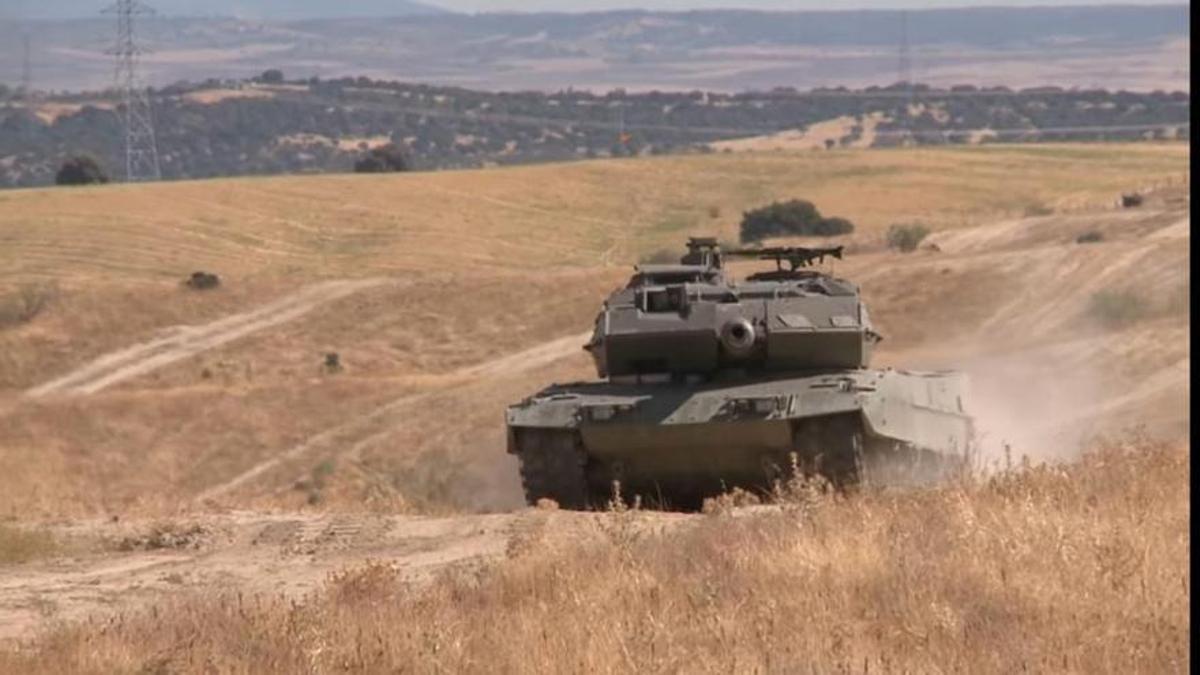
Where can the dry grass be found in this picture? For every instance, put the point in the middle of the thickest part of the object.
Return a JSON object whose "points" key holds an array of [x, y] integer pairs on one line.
{"points": [[19, 545], [571, 214], [1079, 569], [486, 264]]}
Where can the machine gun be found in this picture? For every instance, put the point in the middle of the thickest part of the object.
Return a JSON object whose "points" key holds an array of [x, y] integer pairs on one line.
{"points": [[795, 256], [707, 251]]}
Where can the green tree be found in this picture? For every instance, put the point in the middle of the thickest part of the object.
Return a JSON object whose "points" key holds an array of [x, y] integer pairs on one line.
{"points": [[384, 159], [81, 170], [796, 217]]}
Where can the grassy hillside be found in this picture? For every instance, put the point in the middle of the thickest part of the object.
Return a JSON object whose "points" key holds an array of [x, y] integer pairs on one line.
{"points": [[577, 215], [465, 268], [242, 128], [180, 473]]}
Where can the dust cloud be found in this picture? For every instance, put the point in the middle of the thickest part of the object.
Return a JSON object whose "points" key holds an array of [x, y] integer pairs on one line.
{"points": [[1028, 405]]}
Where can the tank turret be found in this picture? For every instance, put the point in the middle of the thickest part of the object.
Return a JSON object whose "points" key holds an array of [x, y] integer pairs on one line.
{"points": [[692, 320]]}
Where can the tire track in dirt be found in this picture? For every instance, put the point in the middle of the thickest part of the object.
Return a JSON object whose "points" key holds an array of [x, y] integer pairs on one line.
{"points": [[288, 555], [360, 432], [187, 341]]}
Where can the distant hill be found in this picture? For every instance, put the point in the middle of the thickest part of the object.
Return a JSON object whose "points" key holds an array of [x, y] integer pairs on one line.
{"points": [[263, 10], [227, 128], [1140, 48]]}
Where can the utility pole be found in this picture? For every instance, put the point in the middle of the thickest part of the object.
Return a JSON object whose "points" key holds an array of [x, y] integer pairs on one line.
{"points": [[905, 57], [141, 149], [27, 67]]}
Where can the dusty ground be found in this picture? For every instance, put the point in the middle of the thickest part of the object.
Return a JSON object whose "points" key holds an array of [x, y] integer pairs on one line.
{"points": [[166, 440]]}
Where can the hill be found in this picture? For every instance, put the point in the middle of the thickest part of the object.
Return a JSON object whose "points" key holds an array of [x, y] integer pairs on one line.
{"points": [[238, 127], [160, 445], [1141, 48], [274, 10]]}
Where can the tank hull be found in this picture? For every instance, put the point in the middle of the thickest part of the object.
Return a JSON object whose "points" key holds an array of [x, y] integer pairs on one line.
{"points": [[674, 444]]}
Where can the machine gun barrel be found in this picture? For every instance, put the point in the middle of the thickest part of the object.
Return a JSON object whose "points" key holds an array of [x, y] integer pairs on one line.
{"points": [[795, 256]]}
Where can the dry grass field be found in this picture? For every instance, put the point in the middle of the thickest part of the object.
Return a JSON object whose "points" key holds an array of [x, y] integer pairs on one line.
{"points": [[1076, 570], [158, 442]]}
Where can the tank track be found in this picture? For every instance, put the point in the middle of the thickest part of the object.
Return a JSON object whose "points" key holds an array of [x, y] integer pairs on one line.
{"points": [[553, 466], [833, 447], [839, 449]]}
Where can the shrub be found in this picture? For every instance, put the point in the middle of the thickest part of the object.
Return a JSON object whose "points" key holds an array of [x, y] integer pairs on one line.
{"points": [[1131, 200], [1089, 237], [1035, 210], [906, 237], [81, 170], [1117, 308], [28, 301], [203, 281], [797, 217], [384, 159]]}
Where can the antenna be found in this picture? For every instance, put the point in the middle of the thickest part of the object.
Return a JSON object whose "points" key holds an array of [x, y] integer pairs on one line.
{"points": [[141, 150]]}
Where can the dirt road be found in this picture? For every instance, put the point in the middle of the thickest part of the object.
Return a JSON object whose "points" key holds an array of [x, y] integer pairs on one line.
{"points": [[187, 341], [139, 563]]}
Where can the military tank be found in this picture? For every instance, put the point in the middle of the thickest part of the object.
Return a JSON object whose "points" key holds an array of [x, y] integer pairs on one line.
{"points": [[707, 383]]}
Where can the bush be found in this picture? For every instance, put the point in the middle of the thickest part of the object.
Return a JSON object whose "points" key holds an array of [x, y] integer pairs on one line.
{"points": [[797, 217], [1036, 210], [81, 170], [26, 303], [1116, 309], [906, 238], [203, 281], [385, 159], [1089, 237], [1130, 201]]}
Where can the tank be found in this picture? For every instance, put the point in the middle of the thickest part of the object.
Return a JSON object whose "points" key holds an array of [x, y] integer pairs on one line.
{"points": [[706, 383]]}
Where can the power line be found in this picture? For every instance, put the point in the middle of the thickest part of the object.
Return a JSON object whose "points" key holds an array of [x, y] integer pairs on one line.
{"points": [[141, 149], [27, 66], [905, 57]]}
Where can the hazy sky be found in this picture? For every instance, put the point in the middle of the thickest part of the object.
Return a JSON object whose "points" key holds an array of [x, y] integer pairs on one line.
{"points": [[588, 5], [59, 8]]}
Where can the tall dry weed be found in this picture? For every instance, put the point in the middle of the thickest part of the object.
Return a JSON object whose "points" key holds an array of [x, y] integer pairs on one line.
{"points": [[1073, 569]]}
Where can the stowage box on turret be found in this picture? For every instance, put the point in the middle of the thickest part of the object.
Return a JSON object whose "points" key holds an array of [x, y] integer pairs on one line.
{"points": [[707, 384]]}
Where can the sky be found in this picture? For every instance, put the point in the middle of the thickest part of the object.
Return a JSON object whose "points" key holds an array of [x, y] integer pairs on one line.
{"points": [[20, 8], [591, 5]]}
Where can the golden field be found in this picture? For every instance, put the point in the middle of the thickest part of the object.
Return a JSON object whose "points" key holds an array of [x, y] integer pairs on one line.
{"points": [[201, 426], [1077, 570]]}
